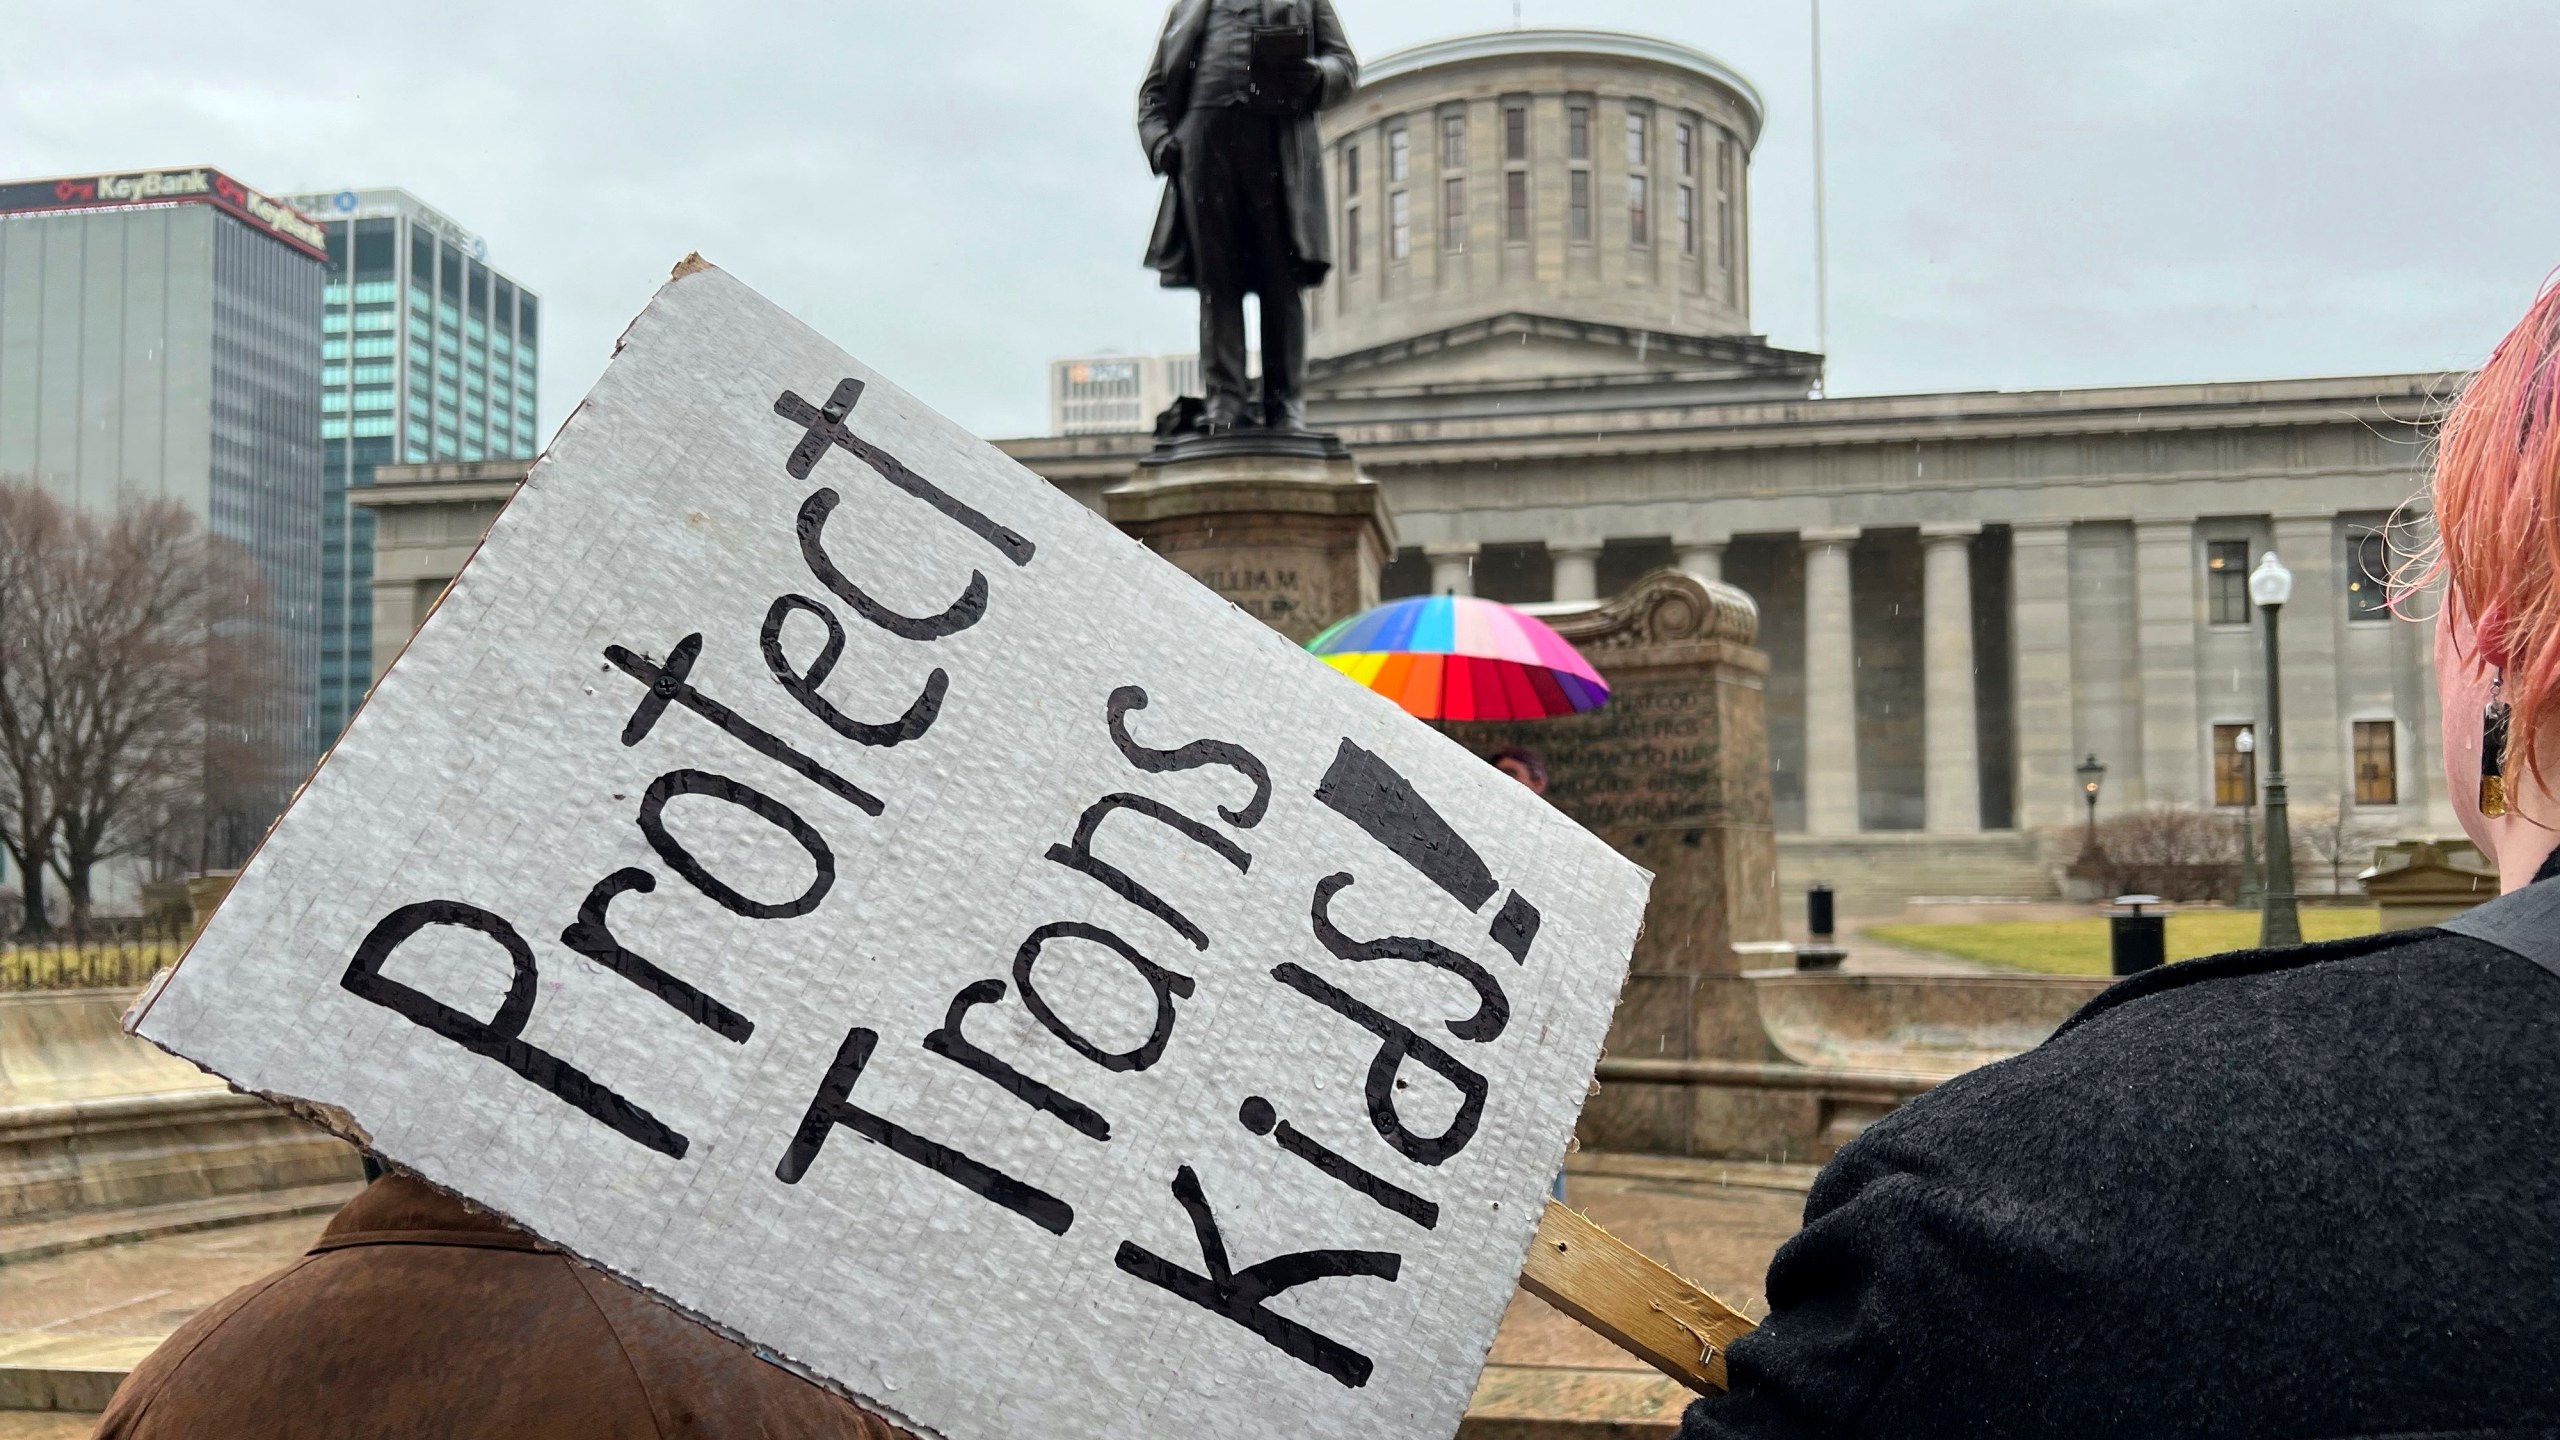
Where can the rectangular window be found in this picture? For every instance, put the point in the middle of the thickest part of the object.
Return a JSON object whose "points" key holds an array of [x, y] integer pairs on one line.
{"points": [[1577, 132], [418, 454], [373, 399], [333, 376], [1515, 207], [417, 432], [1688, 219], [1636, 135], [1351, 169], [376, 374], [1399, 155], [333, 349], [2377, 762], [377, 292], [2369, 577], [1639, 222], [333, 294], [448, 342], [1515, 132], [377, 320], [1577, 206], [375, 347], [1453, 142], [1453, 215], [2226, 572], [420, 300], [2235, 773], [1351, 239], [446, 368], [333, 322], [333, 401], [1688, 150], [1399, 225], [333, 429], [419, 354], [372, 425]]}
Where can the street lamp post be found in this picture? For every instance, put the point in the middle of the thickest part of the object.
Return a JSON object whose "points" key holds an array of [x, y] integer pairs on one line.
{"points": [[2092, 775], [2251, 893], [2280, 920]]}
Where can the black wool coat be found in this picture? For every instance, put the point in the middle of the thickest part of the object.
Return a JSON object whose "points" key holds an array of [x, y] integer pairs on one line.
{"points": [[1165, 97], [2300, 1193]]}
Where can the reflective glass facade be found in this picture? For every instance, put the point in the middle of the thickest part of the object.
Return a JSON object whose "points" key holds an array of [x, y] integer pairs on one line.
{"points": [[426, 354], [162, 350]]}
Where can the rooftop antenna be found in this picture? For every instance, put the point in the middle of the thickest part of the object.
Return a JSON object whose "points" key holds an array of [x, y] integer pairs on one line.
{"points": [[1821, 240]]}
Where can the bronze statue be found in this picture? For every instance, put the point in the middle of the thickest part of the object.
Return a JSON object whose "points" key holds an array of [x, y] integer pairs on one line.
{"points": [[1228, 117]]}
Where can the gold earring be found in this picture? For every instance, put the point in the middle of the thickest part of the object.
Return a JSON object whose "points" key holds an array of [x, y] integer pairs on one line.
{"points": [[2493, 750]]}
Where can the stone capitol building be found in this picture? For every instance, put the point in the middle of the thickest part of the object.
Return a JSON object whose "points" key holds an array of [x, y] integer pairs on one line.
{"points": [[1537, 339]]}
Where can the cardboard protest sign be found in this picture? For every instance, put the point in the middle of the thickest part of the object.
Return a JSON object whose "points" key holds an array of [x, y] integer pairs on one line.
{"points": [[815, 869]]}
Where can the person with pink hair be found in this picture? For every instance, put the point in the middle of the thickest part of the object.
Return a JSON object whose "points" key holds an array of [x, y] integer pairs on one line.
{"points": [[2299, 1192]]}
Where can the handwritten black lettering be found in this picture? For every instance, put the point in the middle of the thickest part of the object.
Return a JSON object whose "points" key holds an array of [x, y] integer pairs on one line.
{"points": [[592, 936], [1515, 927], [1239, 1295], [826, 427], [668, 685], [499, 1037], [1078, 856], [832, 1106], [802, 685], [653, 826], [1368, 792], [959, 615], [1257, 1115], [1164, 984], [1493, 1008], [1190, 757], [950, 1044], [1397, 1044]]}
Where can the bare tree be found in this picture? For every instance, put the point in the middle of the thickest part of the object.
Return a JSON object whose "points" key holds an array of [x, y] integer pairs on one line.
{"points": [[135, 668], [37, 538], [2338, 838]]}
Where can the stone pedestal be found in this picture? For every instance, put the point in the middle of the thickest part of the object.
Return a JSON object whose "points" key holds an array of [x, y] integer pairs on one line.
{"points": [[1286, 527], [1674, 773]]}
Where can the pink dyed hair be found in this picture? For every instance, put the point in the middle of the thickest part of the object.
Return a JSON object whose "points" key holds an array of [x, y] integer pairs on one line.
{"points": [[2497, 516]]}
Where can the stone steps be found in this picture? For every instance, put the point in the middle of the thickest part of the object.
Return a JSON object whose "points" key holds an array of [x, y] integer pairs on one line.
{"points": [[1881, 874]]}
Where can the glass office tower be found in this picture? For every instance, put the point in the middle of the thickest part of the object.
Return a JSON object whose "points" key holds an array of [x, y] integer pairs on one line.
{"points": [[427, 354], [155, 342]]}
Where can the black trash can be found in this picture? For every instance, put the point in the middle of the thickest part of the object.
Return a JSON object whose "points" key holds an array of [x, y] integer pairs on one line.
{"points": [[1819, 918], [2137, 934]]}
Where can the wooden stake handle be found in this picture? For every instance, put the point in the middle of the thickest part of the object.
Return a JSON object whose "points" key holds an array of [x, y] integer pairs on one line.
{"points": [[1644, 1309]]}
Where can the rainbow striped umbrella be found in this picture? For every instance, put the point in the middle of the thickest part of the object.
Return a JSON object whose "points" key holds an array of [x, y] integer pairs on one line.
{"points": [[1455, 657]]}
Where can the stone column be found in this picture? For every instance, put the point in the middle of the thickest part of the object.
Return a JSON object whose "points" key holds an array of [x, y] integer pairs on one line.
{"points": [[2040, 628], [2174, 750], [2315, 742], [1577, 567], [1830, 686], [1453, 567], [1702, 558], [1954, 780]]}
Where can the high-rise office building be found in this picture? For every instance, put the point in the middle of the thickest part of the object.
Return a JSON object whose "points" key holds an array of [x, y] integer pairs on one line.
{"points": [[156, 341], [426, 354]]}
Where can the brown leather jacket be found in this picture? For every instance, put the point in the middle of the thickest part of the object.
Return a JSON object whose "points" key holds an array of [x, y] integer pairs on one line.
{"points": [[418, 1316]]}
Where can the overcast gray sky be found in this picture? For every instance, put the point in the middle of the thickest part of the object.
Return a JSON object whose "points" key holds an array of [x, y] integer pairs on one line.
{"points": [[2023, 193]]}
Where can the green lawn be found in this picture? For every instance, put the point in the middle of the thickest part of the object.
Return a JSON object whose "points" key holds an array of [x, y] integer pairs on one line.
{"points": [[2079, 947]]}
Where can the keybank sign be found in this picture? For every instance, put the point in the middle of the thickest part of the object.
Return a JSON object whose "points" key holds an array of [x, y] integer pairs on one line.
{"points": [[202, 184]]}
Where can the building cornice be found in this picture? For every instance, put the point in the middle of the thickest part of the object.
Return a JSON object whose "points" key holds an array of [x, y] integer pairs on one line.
{"points": [[1761, 424], [1540, 44], [1746, 351]]}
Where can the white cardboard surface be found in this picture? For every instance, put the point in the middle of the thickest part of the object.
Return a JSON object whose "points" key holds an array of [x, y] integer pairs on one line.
{"points": [[490, 772]]}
